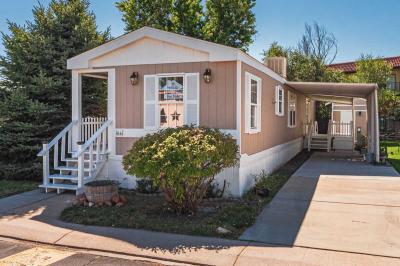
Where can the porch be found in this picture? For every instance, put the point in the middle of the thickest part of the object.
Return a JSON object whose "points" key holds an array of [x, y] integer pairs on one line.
{"points": [[340, 135]]}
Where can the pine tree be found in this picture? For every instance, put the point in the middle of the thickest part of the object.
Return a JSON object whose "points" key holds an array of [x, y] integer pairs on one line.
{"points": [[22, 128], [139, 13], [230, 22], [34, 69], [187, 17]]}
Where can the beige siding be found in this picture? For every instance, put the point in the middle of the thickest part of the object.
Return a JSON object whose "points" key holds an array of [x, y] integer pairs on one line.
{"points": [[124, 144], [217, 99], [274, 129], [361, 122]]}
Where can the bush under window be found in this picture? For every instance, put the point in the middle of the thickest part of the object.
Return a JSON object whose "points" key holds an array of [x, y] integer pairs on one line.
{"points": [[182, 161]]}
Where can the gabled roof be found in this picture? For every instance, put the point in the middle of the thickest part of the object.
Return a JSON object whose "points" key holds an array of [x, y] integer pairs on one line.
{"points": [[216, 52], [350, 67]]}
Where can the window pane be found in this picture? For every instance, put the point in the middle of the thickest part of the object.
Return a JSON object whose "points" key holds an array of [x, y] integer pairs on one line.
{"points": [[170, 96], [253, 91], [170, 89], [253, 119], [280, 107]]}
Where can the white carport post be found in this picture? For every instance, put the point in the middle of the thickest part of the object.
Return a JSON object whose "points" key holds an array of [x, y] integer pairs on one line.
{"points": [[373, 124], [76, 107]]}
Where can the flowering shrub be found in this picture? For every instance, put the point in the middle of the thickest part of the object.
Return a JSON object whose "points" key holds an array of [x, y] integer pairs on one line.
{"points": [[182, 161]]}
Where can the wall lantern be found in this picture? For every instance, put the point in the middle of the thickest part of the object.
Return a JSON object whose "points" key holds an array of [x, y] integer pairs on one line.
{"points": [[207, 75], [134, 78]]}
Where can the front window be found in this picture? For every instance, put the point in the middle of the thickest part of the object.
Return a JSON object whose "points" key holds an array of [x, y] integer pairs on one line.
{"points": [[391, 83], [292, 99], [253, 105], [170, 99]]}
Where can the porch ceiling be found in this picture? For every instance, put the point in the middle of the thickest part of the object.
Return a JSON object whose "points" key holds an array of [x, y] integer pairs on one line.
{"points": [[356, 90]]}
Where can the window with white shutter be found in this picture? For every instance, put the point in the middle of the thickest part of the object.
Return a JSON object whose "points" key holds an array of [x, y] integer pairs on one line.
{"points": [[292, 102], [253, 104], [171, 100], [279, 101]]}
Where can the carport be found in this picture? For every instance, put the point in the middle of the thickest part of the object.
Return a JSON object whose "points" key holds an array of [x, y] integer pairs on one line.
{"points": [[345, 93]]}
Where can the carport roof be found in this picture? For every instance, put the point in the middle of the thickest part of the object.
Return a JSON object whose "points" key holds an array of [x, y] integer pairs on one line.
{"points": [[357, 90]]}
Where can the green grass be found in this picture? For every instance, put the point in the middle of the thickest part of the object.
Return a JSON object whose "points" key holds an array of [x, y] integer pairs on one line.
{"points": [[11, 187], [393, 151], [152, 213]]}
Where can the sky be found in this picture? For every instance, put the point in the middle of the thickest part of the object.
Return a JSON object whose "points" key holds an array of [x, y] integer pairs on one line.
{"points": [[360, 26]]}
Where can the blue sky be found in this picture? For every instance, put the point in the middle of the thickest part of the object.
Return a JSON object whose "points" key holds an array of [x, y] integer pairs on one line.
{"points": [[360, 26]]}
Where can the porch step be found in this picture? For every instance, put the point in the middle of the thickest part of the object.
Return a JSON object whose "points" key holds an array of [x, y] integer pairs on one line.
{"points": [[74, 160], [63, 177], [70, 168], [60, 186]]}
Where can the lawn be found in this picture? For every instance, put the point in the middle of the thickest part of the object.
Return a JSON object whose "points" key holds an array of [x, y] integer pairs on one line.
{"points": [[393, 151], [11, 187], [152, 213]]}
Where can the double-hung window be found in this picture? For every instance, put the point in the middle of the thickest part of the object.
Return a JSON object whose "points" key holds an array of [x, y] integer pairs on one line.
{"points": [[253, 104], [171, 100], [279, 101], [292, 102]]}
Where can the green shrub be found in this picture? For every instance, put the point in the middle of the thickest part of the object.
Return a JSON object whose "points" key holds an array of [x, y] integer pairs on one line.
{"points": [[182, 161], [146, 186]]}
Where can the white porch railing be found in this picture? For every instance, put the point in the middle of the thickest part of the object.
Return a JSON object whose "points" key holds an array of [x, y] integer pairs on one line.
{"points": [[341, 129], [96, 150], [70, 163]]}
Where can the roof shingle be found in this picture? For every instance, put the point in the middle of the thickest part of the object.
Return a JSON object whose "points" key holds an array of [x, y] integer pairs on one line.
{"points": [[350, 67]]}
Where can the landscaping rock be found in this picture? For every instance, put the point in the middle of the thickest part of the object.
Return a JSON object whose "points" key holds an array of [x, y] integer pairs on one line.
{"points": [[115, 199], [223, 231], [91, 204], [123, 199], [119, 204]]}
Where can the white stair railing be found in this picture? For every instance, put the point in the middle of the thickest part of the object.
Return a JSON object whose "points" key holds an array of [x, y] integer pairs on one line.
{"points": [[61, 145], [91, 148], [342, 129], [65, 136]]}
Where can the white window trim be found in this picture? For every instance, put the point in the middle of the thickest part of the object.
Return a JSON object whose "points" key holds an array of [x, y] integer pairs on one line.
{"points": [[295, 110], [248, 129], [277, 89]]}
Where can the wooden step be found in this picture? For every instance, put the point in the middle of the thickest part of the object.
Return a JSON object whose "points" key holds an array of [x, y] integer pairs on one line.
{"points": [[64, 177], [60, 186], [70, 168]]}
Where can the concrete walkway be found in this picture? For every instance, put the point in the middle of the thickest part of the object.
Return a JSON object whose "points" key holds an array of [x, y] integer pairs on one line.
{"points": [[37, 220], [335, 202]]}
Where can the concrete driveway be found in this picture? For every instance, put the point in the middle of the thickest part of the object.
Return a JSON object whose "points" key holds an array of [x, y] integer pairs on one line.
{"points": [[335, 202]]}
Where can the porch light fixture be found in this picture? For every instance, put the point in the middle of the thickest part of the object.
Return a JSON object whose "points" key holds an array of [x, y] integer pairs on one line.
{"points": [[207, 75], [134, 78]]}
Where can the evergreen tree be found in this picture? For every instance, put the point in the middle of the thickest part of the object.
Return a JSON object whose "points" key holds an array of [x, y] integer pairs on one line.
{"points": [[230, 22], [188, 17], [34, 69], [22, 128], [153, 13]]}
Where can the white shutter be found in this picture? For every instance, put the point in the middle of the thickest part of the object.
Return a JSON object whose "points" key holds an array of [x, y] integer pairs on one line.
{"points": [[283, 101], [150, 102], [191, 94], [277, 100], [247, 103], [259, 97]]}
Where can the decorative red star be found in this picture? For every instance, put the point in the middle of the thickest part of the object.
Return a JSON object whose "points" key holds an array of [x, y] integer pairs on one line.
{"points": [[175, 116]]}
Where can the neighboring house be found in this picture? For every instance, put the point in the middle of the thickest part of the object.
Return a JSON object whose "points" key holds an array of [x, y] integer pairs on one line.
{"points": [[343, 113], [160, 79]]}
